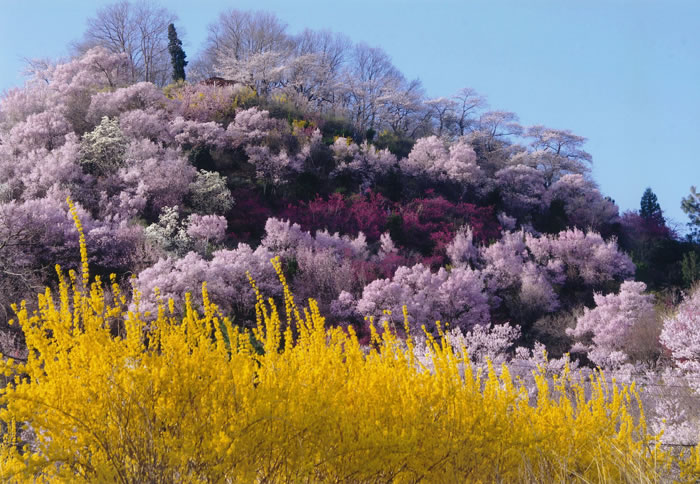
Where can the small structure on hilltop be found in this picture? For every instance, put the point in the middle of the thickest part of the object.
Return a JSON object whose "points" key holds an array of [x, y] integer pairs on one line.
{"points": [[217, 81]]}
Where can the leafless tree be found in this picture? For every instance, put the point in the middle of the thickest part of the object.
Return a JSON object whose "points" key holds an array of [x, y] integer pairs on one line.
{"points": [[368, 77], [467, 103], [140, 30]]}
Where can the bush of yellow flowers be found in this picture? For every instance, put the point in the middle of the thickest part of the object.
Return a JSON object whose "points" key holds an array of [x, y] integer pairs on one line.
{"points": [[112, 395]]}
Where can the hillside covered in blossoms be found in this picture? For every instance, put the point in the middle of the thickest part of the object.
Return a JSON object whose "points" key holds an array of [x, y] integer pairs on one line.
{"points": [[396, 213]]}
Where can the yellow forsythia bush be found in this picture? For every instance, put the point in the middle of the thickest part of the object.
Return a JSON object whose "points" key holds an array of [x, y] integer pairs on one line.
{"points": [[113, 398]]}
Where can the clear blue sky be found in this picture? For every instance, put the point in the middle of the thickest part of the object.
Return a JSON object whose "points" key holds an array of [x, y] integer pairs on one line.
{"points": [[624, 74]]}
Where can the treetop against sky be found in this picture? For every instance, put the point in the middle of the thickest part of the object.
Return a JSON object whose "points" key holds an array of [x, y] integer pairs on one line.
{"points": [[620, 73]]}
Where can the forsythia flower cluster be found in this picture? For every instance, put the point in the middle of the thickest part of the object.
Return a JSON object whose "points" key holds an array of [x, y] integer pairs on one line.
{"points": [[111, 398]]}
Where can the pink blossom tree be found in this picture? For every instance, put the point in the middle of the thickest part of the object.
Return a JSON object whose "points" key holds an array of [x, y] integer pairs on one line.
{"points": [[587, 256], [605, 331], [364, 163], [456, 297], [681, 336]]}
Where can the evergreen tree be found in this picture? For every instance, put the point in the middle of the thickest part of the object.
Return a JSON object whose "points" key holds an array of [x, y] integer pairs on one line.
{"points": [[691, 206], [650, 209], [177, 55]]}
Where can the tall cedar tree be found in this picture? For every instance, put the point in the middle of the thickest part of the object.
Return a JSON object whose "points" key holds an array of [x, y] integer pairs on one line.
{"points": [[177, 55], [650, 208]]}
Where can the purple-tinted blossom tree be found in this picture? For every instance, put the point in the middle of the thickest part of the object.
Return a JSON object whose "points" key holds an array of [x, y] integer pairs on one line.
{"points": [[18, 103], [206, 231], [427, 157], [71, 85], [431, 158], [226, 277], [153, 177], [150, 124], [31, 175], [195, 133], [521, 188], [46, 130], [536, 291], [503, 261], [142, 96], [282, 237], [285, 238], [322, 274], [386, 246], [583, 203]]}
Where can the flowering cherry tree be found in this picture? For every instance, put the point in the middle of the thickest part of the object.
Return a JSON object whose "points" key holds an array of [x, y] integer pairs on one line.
{"points": [[681, 336], [604, 332], [456, 297]]}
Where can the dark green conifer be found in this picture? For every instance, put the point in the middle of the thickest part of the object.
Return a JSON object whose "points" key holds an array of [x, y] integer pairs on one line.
{"points": [[650, 208], [177, 55]]}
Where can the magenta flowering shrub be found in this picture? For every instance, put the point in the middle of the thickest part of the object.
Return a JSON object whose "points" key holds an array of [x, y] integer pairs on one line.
{"points": [[426, 225], [247, 222], [640, 229], [346, 215], [424, 219]]}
